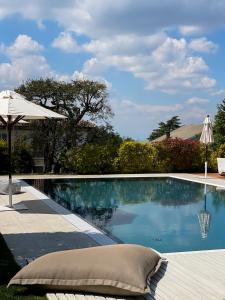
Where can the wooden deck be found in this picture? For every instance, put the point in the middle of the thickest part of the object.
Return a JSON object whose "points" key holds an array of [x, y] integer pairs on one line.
{"points": [[186, 276]]}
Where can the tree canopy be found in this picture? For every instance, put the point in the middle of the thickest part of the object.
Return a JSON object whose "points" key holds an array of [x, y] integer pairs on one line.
{"points": [[165, 128], [219, 125], [78, 100]]}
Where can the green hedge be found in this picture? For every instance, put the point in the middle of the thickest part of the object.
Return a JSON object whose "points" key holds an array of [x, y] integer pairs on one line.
{"points": [[90, 159], [135, 157], [171, 155], [3, 157], [21, 158]]}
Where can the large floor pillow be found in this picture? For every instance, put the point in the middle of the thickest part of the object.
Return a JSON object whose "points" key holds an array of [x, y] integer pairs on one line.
{"points": [[114, 270]]}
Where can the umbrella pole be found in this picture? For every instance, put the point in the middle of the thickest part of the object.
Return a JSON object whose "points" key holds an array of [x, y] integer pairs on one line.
{"points": [[206, 159], [9, 131]]}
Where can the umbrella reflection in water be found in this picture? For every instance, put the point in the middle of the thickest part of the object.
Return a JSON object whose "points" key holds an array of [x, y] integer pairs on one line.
{"points": [[204, 217]]}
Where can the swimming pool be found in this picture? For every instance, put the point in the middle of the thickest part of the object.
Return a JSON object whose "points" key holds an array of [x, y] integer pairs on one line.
{"points": [[168, 214]]}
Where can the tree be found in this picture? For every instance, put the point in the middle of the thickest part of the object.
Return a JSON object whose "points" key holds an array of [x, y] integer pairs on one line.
{"points": [[103, 135], [219, 125], [77, 100], [165, 128]]}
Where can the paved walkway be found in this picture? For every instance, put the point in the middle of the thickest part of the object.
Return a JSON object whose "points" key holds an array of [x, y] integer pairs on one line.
{"points": [[38, 230]]}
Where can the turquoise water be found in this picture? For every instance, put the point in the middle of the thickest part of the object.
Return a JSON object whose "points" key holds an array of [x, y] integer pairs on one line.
{"points": [[167, 214]]}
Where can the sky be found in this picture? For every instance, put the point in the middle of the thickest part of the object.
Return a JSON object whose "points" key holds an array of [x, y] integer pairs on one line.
{"points": [[157, 58]]}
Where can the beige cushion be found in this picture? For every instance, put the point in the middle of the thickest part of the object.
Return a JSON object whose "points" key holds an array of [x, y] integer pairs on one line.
{"points": [[114, 270]]}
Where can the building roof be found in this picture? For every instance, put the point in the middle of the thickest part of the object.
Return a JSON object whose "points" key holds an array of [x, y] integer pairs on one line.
{"points": [[185, 132]]}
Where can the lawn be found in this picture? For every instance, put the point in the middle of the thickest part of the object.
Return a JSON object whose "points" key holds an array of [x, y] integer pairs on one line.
{"points": [[8, 267]]}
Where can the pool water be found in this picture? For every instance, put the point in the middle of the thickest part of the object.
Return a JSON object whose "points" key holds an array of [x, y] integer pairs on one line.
{"points": [[167, 214]]}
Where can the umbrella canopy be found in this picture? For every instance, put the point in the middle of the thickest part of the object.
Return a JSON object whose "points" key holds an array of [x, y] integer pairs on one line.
{"points": [[207, 138], [14, 105], [207, 132], [13, 109]]}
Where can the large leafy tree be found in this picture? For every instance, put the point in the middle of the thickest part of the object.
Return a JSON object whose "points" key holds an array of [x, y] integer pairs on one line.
{"points": [[78, 100], [219, 125], [103, 135], [165, 128]]}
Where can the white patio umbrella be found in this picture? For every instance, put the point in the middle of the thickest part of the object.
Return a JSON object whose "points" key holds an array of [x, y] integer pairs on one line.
{"points": [[207, 138], [13, 109]]}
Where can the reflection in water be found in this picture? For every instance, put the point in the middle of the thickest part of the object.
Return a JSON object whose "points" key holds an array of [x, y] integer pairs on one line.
{"points": [[204, 217], [156, 212], [94, 205], [97, 201]]}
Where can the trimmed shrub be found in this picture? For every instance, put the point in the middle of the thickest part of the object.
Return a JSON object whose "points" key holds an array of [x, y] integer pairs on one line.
{"points": [[3, 157], [177, 155], [22, 161], [21, 158], [135, 157], [90, 159], [219, 152]]}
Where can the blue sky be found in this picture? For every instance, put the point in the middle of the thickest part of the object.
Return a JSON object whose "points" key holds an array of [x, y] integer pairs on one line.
{"points": [[158, 58]]}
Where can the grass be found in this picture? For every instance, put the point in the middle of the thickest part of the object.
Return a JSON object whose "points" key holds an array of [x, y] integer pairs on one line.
{"points": [[8, 268]]}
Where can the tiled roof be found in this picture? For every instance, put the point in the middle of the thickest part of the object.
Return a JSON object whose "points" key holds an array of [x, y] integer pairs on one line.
{"points": [[184, 132]]}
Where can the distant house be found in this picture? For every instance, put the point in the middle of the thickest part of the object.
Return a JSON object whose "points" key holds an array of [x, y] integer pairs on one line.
{"points": [[185, 132]]}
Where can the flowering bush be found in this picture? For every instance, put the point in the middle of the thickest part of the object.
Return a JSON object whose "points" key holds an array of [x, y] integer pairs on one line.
{"points": [[177, 155]]}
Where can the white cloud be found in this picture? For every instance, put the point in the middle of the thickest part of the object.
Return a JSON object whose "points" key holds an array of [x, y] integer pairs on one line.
{"points": [[126, 106], [26, 62], [104, 17], [129, 35], [196, 100], [189, 30], [125, 44], [82, 76], [24, 45], [203, 45], [218, 93], [164, 63], [66, 42], [23, 68]]}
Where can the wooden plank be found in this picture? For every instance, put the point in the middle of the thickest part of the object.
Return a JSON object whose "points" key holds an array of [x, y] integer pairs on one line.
{"points": [[80, 297], [178, 278], [188, 279], [61, 296], [51, 296], [213, 286], [204, 270], [70, 296], [100, 298], [90, 297]]}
